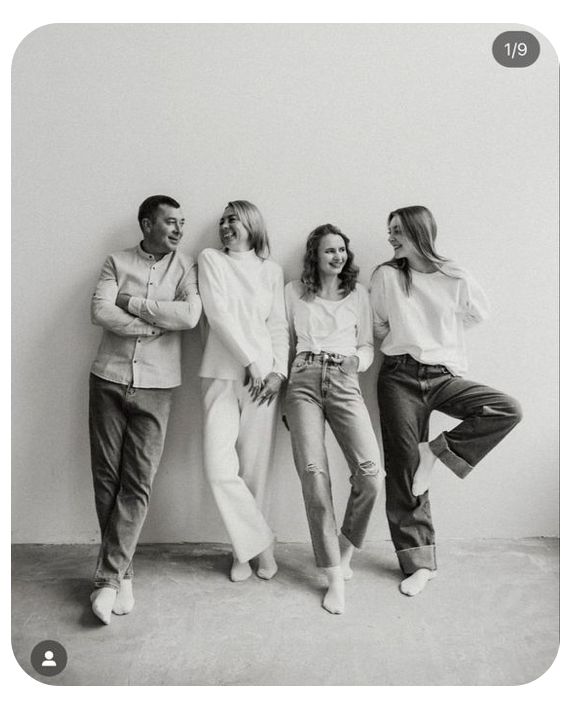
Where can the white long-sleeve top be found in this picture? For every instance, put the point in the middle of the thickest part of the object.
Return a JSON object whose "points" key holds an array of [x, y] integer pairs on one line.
{"points": [[343, 327], [429, 323], [243, 300]]}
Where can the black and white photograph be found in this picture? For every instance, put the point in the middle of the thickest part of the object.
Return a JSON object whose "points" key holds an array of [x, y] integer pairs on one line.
{"points": [[285, 331]]}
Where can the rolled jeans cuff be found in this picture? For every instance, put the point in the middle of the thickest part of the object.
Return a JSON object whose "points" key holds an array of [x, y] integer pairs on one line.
{"points": [[415, 558], [440, 449]]}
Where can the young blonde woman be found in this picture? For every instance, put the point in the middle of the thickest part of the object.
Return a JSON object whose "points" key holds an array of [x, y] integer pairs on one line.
{"points": [[330, 319], [422, 304], [244, 364]]}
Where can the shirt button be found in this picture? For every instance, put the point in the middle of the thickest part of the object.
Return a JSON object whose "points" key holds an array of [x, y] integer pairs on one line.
{"points": [[135, 361], [139, 340]]}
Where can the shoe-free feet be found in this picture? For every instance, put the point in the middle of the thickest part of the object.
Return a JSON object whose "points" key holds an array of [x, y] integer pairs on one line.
{"points": [[334, 598], [125, 600], [421, 481], [414, 584], [102, 602], [267, 566], [347, 548], [240, 571]]}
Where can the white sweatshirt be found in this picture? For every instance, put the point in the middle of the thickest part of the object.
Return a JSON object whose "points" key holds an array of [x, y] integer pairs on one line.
{"points": [[429, 323], [243, 300], [343, 327]]}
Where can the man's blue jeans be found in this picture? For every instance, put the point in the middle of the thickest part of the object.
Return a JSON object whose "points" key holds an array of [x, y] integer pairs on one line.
{"points": [[127, 427], [408, 391]]}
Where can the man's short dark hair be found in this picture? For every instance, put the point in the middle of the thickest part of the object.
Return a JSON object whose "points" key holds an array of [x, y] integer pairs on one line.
{"points": [[149, 207]]}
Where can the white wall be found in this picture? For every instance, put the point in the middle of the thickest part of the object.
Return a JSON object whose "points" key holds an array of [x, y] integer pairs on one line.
{"points": [[312, 123]]}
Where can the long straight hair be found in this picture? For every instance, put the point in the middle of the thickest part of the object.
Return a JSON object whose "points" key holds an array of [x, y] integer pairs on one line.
{"points": [[251, 218], [310, 275], [419, 226]]}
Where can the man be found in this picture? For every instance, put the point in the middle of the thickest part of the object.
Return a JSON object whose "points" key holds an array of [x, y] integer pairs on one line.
{"points": [[144, 297]]}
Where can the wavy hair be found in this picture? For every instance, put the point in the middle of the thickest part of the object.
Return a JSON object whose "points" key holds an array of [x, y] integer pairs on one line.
{"points": [[251, 218], [310, 275], [419, 226]]}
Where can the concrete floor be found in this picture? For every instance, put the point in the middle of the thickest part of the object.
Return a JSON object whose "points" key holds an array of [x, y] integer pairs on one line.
{"points": [[489, 618]]}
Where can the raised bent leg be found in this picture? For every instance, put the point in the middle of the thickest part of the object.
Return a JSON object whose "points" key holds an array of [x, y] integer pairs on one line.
{"points": [[487, 417]]}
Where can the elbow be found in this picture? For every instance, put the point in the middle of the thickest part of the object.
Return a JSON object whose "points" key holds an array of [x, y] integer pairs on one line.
{"points": [[192, 318], [97, 317]]}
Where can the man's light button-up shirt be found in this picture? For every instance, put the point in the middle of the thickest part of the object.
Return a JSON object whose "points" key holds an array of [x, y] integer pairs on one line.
{"points": [[141, 346]]}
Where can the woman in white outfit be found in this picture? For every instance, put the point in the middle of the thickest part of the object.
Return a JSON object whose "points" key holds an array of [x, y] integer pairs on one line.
{"points": [[244, 365]]}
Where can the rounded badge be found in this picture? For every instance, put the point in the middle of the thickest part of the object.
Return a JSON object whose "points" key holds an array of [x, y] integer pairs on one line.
{"points": [[48, 658], [516, 49]]}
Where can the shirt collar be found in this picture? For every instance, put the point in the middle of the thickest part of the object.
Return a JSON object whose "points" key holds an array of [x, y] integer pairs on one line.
{"points": [[149, 257], [242, 255]]}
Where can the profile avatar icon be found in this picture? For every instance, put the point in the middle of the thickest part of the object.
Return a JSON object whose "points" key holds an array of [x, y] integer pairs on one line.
{"points": [[48, 659]]}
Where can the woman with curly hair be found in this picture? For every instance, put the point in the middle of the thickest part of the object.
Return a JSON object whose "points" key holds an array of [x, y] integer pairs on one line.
{"points": [[422, 303], [331, 325]]}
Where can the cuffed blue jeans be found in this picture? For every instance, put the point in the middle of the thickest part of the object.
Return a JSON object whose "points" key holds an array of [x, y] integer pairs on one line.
{"points": [[408, 391], [320, 391], [127, 428]]}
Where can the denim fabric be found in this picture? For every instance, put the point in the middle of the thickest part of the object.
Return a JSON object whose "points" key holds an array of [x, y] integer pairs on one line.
{"points": [[408, 391], [320, 391], [127, 427]]}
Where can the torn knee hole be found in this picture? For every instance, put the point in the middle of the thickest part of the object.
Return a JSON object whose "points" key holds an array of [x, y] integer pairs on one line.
{"points": [[368, 468], [312, 469]]}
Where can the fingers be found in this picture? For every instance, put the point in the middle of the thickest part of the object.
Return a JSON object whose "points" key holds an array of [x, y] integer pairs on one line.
{"points": [[267, 395], [255, 387], [269, 398]]}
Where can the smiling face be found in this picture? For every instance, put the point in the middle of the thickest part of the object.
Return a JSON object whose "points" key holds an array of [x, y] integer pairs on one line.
{"points": [[234, 235], [403, 246], [332, 255], [164, 231]]}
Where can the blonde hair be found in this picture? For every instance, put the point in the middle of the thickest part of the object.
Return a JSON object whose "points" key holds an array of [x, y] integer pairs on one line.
{"points": [[251, 218]]}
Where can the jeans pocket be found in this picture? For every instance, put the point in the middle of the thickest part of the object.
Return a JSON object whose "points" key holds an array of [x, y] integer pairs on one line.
{"points": [[347, 372], [389, 365], [299, 365]]}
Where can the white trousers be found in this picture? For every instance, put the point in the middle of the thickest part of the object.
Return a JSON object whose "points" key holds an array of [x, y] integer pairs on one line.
{"points": [[238, 449]]}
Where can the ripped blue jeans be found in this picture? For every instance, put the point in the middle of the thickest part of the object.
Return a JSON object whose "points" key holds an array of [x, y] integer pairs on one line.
{"points": [[319, 391]]}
